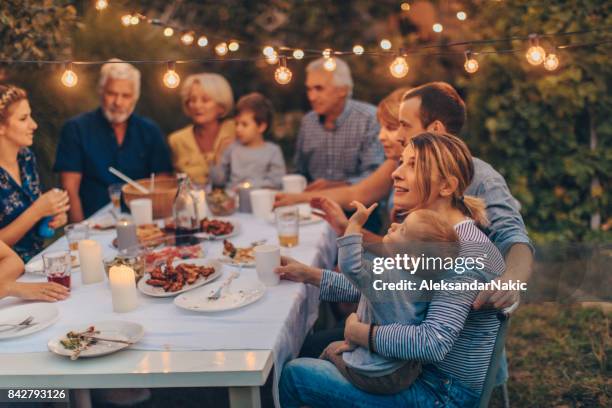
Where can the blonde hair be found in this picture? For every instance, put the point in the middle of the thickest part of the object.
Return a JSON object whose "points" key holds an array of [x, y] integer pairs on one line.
{"points": [[452, 158], [214, 85], [9, 95], [435, 228], [341, 75], [117, 69], [388, 109]]}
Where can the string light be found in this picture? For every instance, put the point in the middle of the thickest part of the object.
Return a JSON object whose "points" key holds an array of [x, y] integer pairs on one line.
{"points": [[283, 75], [268, 51], [385, 44], [461, 15], [168, 31], [438, 27], [535, 54], [202, 41], [471, 64], [221, 49], [188, 38], [405, 6], [358, 49], [298, 54], [327, 53], [233, 46], [101, 5], [126, 20], [551, 62], [399, 67], [329, 64], [272, 59], [171, 78], [69, 77], [134, 20]]}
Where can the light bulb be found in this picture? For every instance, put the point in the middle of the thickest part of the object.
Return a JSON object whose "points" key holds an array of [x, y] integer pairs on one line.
{"points": [[461, 15], [101, 4], [202, 41], [329, 64], [268, 51], [283, 75], [272, 59], [69, 78], [221, 49], [535, 55], [168, 31], [327, 53], [551, 62], [405, 6], [358, 50], [187, 38], [171, 78], [298, 54], [134, 20], [385, 44], [438, 27], [471, 65], [233, 46], [126, 19], [399, 67]]}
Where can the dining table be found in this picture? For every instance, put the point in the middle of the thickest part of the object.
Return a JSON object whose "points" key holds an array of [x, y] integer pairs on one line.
{"points": [[237, 349]]}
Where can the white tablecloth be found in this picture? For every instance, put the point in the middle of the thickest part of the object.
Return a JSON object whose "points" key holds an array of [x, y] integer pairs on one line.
{"points": [[278, 322]]}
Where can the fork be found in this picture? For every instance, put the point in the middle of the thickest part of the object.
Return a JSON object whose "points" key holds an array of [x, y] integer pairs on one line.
{"points": [[19, 326], [257, 243], [216, 294]]}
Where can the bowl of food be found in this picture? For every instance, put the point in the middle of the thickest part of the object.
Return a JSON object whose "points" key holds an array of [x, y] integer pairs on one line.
{"points": [[136, 262], [162, 196], [221, 202]]}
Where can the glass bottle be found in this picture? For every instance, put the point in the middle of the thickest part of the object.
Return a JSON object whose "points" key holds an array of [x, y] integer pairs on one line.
{"points": [[185, 211]]}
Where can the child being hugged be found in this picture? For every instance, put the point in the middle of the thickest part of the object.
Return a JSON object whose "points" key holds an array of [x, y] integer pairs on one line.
{"points": [[251, 158]]}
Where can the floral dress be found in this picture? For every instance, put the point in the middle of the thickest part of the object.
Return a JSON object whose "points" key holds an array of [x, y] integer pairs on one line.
{"points": [[15, 199]]}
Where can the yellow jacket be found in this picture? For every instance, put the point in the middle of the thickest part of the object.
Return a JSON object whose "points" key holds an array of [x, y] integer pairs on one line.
{"points": [[187, 157]]}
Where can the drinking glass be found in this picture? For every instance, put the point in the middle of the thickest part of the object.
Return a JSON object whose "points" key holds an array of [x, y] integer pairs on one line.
{"points": [[75, 233], [58, 267], [114, 191], [287, 225]]}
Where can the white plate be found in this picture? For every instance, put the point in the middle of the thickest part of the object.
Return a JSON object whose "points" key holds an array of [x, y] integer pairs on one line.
{"points": [[231, 262], [45, 314], [206, 235], [241, 292], [157, 291], [116, 330]]}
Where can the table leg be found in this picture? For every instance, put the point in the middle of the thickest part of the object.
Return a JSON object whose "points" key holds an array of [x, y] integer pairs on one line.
{"points": [[82, 398], [244, 397]]}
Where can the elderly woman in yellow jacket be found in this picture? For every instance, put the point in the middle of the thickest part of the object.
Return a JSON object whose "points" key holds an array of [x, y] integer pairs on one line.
{"points": [[207, 99]]}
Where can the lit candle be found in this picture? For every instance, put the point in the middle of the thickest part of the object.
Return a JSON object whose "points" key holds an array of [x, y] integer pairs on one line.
{"points": [[126, 234], [244, 197], [90, 257], [123, 288]]}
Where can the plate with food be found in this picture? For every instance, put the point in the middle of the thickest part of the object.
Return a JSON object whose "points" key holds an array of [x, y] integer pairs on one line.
{"points": [[179, 276], [98, 339], [238, 256], [240, 292], [218, 228], [157, 257], [21, 320]]}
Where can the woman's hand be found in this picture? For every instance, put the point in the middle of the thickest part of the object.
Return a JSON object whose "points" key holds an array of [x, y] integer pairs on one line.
{"points": [[356, 332], [291, 269], [283, 199], [59, 221], [331, 212], [52, 202], [335, 348], [45, 291]]}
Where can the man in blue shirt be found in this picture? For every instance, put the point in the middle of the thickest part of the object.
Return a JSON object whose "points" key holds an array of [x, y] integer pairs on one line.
{"points": [[111, 135]]}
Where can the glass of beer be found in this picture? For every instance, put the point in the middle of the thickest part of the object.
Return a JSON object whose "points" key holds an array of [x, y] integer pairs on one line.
{"points": [[75, 233], [288, 225], [58, 267], [114, 191]]}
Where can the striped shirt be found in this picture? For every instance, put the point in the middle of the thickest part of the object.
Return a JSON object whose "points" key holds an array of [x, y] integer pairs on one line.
{"points": [[456, 339], [349, 152]]}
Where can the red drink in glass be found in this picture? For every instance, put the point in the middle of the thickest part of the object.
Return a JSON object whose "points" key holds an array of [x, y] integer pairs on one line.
{"points": [[61, 279]]}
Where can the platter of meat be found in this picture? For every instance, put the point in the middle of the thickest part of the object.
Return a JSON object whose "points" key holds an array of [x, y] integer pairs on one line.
{"points": [[159, 257], [178, 276], [218, 228]]}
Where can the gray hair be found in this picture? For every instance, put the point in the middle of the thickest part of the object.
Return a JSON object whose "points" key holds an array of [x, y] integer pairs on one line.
{"points": [[214, 85], [116, 69], [341, 75]]}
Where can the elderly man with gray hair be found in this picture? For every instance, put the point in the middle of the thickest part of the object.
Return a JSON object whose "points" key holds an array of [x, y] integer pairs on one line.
{"points": [[337, 142], [111, 135]]}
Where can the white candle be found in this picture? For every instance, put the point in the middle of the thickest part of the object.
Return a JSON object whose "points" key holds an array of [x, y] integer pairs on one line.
{"points": [[90, 257], [200, 196], [123, 288]]}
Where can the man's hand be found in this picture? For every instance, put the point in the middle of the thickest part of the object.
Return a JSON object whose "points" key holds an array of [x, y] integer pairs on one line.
{"points": [[283, 199], [331, 212], [323, 184], [495, 299], [337, 347], [293, 270]]}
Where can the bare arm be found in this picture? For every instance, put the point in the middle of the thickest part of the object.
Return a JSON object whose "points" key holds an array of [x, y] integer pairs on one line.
{"points": [[11, 266], [71, 181]]}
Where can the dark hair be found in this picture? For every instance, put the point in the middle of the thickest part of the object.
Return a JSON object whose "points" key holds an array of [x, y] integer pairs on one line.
{"points": [[262, 108], [439, 101]]}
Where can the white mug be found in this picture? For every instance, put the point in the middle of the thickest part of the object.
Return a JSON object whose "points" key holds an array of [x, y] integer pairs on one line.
{"points": [[142, 211], [294, 183], [267, 258], [262, 202]]}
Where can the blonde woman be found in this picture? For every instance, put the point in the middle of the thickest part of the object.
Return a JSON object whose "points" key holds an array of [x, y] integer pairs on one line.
{"points": [[207, 99]]}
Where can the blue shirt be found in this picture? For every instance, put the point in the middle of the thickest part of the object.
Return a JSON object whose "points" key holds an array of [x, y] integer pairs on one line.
{"points": [[349, 152], [88, 146], [15, 199]]}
